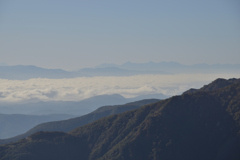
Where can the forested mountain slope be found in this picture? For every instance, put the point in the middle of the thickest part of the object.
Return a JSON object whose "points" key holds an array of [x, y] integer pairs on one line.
{"points": [[199, 126], [217, 84], [67, 125]]}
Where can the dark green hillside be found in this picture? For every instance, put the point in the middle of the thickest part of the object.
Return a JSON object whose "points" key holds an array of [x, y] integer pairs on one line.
{"points": [[67, 125], [197, 126]]}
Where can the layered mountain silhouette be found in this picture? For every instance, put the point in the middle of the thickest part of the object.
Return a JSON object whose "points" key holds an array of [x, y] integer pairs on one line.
{"points": [[70, 107], [114, 71], [204, 125], [22, 72], [15, 124], [70, 124], [175, 67]]}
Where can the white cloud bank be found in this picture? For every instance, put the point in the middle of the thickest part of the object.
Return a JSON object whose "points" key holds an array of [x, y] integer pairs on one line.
{"points": [[76, 89]]}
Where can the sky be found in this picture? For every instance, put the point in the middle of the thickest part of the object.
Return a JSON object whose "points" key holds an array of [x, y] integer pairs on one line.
{"points": [[75, 34]]}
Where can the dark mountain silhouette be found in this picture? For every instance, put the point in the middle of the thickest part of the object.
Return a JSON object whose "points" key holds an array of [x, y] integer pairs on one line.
{"points": [[67, 125], [204, 125], [217, 84], [15, 124]]}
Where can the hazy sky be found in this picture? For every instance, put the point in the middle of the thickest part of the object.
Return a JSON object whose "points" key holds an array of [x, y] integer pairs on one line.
{"points": [[83, 33]]}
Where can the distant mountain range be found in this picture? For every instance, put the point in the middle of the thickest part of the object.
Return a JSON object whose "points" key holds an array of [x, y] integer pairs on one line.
{"points": [[203, 125], [15, 124], [70, 107], [68, 125], [21, 72], [174, 67], [114, 71]]}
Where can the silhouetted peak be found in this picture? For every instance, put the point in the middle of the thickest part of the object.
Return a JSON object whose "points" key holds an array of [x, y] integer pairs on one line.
{"points": [[216, 84]]}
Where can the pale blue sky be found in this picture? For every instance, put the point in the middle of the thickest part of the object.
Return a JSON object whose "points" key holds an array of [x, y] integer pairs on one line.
{"points": [[75, 34]]}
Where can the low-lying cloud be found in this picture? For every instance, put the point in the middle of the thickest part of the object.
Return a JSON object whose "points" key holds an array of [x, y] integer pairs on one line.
{"points": [[76, 89]]}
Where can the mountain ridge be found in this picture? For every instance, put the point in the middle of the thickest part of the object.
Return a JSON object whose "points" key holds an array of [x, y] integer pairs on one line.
{"points": [[15, 124], [71, 107], [67, 125], [25, 72], [170, 65], [181, 127], [216, 84]]}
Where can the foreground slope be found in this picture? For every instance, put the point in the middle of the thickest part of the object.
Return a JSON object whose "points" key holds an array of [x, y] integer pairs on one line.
{"points": [[67, 125], [199, 126]]}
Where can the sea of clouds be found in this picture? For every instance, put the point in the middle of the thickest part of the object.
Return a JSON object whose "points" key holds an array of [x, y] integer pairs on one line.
{"points": [[76, 89]]}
